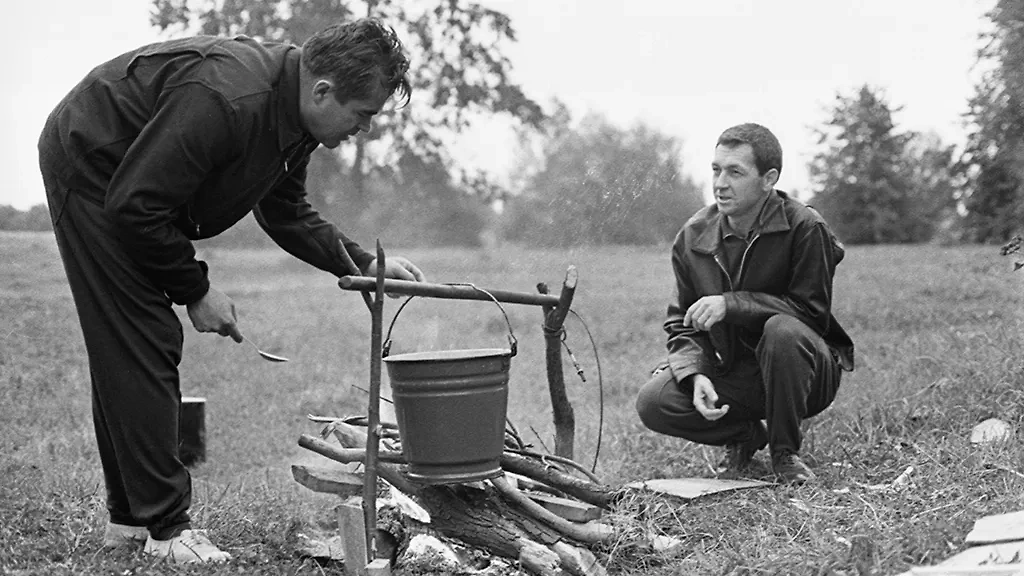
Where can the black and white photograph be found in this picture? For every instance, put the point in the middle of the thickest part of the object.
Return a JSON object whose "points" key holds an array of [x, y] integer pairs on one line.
{"points": [[512, 288]]}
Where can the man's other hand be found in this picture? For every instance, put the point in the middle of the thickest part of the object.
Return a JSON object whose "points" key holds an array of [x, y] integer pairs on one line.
{"points": [[215, 312], [397, 268], [705, 397], [705, 313]]}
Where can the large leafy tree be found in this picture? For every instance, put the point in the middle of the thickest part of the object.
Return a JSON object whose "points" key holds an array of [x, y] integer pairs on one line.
{"points": [[458, 72], [874, 183], [601, 184], [993, 159]]}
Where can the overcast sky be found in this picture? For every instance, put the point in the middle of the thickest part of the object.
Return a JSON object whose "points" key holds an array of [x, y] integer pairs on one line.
{"points": [[689, 68]]}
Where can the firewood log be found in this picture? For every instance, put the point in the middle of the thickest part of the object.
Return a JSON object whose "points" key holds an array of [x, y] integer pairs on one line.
{"points": [[589, 533], [597, 494], [586, 491]]}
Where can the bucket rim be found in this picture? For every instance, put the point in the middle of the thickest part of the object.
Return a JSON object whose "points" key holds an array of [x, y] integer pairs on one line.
{"points": [[450, 355]]}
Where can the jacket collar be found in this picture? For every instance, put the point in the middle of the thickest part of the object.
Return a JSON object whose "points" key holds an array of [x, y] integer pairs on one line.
{"points": [[289, 126], [771, 219]]}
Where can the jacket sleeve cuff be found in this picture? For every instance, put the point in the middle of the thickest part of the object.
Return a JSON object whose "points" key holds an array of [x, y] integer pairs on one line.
{"points": [[733, 308], [362, 260], [682, 369], [360, 257], [196, 293]]}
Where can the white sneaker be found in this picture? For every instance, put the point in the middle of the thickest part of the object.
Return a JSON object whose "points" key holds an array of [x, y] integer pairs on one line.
{"points": [[117, 535], [189, 546]]}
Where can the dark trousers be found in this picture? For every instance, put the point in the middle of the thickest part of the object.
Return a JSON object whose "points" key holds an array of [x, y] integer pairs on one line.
{"points": [[791, 376], [134, 341]]}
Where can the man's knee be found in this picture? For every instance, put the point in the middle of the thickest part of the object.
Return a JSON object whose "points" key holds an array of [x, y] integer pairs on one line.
{"points": [[783, 327], [648, 404], [665, 407], [785, 334], [658, 403]]}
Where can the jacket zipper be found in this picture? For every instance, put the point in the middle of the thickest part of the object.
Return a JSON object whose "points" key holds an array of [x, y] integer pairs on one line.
{"points": [[721, 361], [724, 271], [739, 278], [743, 259]]}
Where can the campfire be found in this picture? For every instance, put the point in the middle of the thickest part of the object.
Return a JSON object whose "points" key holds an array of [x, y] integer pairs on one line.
{"points": [[466, 477]]}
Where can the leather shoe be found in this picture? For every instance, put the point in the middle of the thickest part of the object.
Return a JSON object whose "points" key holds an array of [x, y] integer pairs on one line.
{"points": [[738, 457], [790, 469]]}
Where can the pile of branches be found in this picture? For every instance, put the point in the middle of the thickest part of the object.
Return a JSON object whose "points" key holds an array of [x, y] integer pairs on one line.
{"points": [[497, 515]]}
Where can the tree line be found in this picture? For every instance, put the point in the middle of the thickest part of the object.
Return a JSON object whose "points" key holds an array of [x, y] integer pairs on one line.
{"points": [[588, 181], [878, 184]]}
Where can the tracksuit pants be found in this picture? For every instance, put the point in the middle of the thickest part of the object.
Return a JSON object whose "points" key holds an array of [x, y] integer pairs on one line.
{"points": [[134, 343], [793, 375]]}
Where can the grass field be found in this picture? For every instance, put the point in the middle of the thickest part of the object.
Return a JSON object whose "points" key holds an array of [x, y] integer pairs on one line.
{"points": [[938, 333]]}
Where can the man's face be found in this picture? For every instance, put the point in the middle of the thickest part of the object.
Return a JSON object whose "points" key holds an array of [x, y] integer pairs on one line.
{"points": [[331, 122], [738, 188]]}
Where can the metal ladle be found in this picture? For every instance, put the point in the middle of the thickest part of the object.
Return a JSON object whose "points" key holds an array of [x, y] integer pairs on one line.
{"points": [[266, 355]]}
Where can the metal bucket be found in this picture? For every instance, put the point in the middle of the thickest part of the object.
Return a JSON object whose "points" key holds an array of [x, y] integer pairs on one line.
{"points": [[451, 407]]}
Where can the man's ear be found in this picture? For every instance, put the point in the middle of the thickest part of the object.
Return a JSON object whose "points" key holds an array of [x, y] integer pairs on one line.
{"points": [[322, 89], [770, 179]]}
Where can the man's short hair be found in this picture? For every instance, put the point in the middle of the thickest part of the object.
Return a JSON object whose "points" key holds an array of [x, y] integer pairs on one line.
{"points": [[767, 150], [361, 57]]}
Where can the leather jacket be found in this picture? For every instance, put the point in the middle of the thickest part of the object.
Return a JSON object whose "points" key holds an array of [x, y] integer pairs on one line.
{"points": [[787, 268]]}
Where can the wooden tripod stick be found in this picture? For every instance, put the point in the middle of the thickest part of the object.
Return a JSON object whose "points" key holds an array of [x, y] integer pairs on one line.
{"points": [[554, 320], [354, 271], [373, 412]]}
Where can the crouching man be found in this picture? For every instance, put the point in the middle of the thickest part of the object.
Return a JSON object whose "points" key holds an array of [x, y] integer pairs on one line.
{"points": [[751, 335]]}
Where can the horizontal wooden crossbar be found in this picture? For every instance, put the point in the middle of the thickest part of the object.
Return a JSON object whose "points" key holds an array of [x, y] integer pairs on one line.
{"points": [[448, 291]]}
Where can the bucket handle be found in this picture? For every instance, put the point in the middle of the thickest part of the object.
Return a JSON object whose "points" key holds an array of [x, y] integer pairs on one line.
{"points": [[512, 342]]}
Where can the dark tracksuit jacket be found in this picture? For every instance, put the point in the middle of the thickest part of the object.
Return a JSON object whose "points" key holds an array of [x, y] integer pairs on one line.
{"points": [[170, 143]]}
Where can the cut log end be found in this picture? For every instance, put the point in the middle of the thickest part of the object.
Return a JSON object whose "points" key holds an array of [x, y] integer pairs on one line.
{"points": [[328, 480], [378, 567], [571, 276], [539, 559]]}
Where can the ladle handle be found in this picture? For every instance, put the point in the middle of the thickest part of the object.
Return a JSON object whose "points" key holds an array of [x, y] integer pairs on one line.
{"points": [[512, 342]]}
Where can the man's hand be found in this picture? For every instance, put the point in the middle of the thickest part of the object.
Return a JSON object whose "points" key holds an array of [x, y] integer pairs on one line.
{"points": [[215, 312], [705, 313], [398, 268], [704, 398]]}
